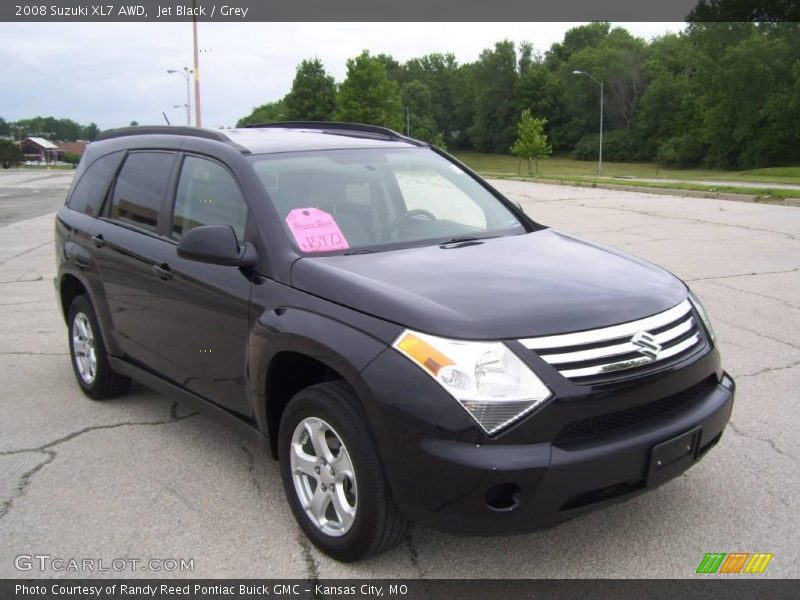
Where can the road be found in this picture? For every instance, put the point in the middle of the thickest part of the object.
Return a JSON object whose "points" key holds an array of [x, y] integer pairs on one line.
{"points": [[26, 193], [142, 477]]}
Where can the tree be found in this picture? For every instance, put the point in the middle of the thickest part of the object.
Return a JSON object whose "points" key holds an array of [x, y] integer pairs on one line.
{"points": [[394, 70], [9, 153], [495, 77], [134, 124], [577, 38], [439, 72], [368, 96], [531, 140], [417, 97], [313, 94], [271, 112], [90, 132], [542, 92], [50, 128]]}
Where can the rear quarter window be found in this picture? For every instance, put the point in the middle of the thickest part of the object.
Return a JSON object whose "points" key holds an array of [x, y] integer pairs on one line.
{"points": [[89, 193]]}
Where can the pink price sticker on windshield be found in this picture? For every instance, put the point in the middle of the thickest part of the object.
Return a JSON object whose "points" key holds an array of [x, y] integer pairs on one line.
{"points": [[315, 230]]}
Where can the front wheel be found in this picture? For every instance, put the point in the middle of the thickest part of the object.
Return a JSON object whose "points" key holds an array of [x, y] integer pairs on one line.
{"points": [[332, 475]]}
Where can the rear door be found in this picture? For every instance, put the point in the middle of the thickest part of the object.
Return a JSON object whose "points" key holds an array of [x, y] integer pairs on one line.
{"points": [[201, 310], [124, 244]]}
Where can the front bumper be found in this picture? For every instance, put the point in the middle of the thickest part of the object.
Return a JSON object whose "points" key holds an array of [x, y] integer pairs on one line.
{"points": [[450, 477]]}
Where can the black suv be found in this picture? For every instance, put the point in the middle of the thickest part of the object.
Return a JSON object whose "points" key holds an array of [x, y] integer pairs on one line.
{"points": [[404, 339]]}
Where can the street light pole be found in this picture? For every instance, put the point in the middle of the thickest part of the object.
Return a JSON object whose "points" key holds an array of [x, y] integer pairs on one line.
{"points": [[600, 83], [185, 74], [408, 125]]}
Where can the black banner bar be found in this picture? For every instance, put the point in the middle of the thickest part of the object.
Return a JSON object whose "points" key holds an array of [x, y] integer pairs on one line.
{"points": [[105, 11], [702, 588]]}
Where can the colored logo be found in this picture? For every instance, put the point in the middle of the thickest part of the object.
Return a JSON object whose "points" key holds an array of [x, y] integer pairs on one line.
{"points": [[734, 562]]}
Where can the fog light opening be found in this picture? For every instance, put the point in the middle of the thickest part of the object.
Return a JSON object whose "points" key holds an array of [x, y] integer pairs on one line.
{"points": [[503, 497]]}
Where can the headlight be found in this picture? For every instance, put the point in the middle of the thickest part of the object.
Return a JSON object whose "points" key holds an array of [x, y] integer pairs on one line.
{"points": [[492, 384], [698, 306]]}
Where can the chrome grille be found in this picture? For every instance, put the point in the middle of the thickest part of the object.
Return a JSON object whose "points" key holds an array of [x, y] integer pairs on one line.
{"points": [[601, 353]]}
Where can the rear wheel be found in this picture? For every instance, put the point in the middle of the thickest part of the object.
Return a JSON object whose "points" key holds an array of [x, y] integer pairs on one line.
{"points": [[332, 475], [88, 352]]}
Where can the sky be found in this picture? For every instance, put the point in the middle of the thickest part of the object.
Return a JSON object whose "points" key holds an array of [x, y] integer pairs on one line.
{"points": [[112, 74]]}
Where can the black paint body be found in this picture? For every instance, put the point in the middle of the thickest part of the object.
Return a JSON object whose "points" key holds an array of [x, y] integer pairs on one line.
{"points": [[213, 335]]}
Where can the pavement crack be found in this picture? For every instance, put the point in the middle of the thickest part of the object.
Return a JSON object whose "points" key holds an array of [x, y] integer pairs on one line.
{"points": [[786, 303], [414, 554], [50, 454], [28, 353], [770, 370], [74, 434], [312, 566], [251, 464], [712, 279], [760, 334], [24, 252], [26, 302], [24, 481], [692, 220], [768, 441]]}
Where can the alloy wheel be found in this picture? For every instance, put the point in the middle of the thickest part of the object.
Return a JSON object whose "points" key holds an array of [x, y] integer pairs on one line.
{"points": [[83, 347], [324, 477]]}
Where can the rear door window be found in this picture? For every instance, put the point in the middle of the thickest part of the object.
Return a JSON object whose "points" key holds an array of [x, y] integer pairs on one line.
{"points": [[141, 187]]}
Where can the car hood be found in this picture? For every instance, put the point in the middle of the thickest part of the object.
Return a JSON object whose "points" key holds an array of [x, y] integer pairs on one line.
{"points": [[539, 283]]}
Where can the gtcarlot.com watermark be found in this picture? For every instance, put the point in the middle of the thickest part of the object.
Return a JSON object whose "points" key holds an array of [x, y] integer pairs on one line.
{"points": [[58, 564]]}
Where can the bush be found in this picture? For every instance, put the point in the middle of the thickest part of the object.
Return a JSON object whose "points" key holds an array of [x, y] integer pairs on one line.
{"points": [[683, 150], [619, 145], [71, 158]]}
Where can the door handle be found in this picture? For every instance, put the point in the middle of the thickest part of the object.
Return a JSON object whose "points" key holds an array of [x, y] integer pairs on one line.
{"points": [[98, 240], [163, 271]]}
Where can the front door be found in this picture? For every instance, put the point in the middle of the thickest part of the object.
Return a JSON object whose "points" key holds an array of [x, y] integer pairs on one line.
{"points": [[201, 310]]}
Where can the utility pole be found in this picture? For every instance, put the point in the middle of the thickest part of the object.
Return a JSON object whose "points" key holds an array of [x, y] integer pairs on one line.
{"points": [[197, 118]]}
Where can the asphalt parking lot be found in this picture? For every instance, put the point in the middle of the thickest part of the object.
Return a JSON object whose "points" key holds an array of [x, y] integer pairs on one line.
{"points": [[142, 477]]}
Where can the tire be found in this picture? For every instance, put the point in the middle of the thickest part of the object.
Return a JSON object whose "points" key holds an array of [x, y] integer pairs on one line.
{"points": [[377, 524], [95, 377]]}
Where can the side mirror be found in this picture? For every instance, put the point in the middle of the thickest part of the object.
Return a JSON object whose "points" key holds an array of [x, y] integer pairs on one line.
{"points": [[216, 245]]}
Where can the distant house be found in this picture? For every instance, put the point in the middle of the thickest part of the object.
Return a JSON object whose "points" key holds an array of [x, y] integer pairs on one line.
{"points": [[73, 147], [38, 149]]}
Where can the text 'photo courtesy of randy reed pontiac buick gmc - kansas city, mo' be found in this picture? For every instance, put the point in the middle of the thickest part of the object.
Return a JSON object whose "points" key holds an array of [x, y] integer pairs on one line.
{"points": [[404, 340]]}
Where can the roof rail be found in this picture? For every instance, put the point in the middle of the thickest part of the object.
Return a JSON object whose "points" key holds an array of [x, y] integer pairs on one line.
{"points": [[340, 128], [208, 134]]}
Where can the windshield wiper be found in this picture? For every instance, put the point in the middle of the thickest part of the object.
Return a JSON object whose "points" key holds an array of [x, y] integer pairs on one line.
{"points": [[361, 251], [461, 239]]}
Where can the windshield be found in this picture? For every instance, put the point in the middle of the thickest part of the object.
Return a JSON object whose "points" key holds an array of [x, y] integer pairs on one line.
{"points": [[345, 201]]}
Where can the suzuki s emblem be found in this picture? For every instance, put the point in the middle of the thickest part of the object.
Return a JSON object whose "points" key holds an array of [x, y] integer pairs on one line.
{"points": [[646, 344]]}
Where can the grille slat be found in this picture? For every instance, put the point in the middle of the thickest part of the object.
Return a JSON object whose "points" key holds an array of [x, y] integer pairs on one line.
{"points": [[605, 352], [624, 348]]}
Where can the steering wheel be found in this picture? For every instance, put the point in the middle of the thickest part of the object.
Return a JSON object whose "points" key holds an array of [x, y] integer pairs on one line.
{"points": [[416, 212]]}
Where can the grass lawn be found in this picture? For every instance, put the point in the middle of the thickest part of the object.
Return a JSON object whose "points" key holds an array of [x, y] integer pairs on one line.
{"points": [[576, 170]]}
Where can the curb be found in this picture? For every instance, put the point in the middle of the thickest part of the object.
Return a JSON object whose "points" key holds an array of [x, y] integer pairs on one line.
{"points": [[663, 191]]}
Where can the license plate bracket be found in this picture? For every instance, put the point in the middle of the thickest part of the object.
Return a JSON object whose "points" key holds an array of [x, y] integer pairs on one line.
{"points": [[672, 457]]}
